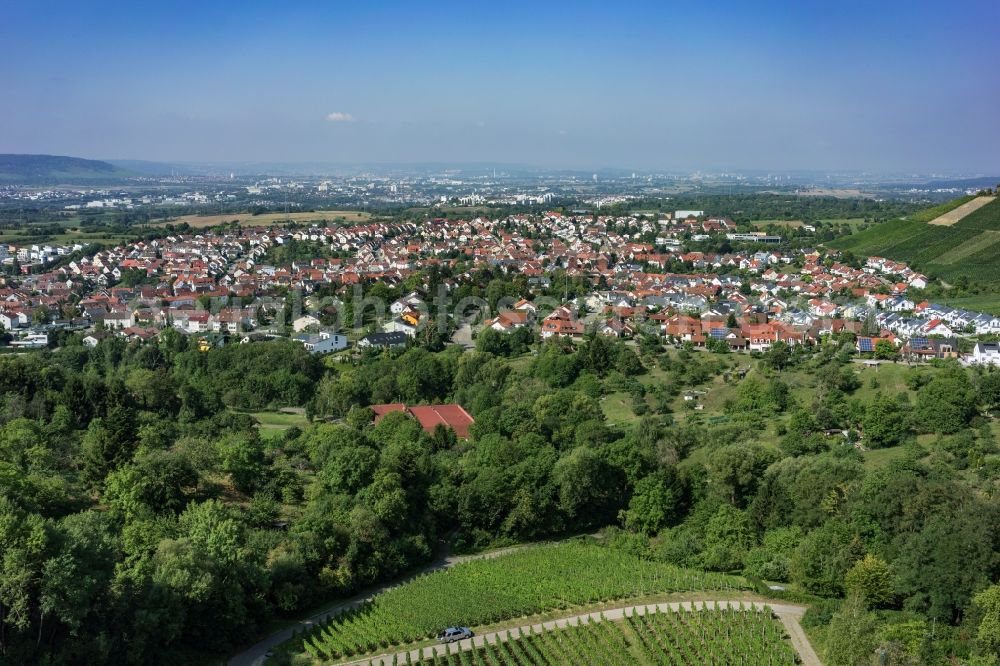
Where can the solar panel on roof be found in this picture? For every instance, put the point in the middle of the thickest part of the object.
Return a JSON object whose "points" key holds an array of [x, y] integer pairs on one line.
{"points": [[719, 333], [920, 342], [865, 344]]}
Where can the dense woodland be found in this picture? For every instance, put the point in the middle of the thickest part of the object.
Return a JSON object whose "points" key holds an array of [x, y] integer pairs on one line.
{"points": [[147, 519]]}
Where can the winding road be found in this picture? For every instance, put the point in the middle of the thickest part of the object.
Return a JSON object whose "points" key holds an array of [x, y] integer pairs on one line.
{"points": [[788, 614], [257, 653]]}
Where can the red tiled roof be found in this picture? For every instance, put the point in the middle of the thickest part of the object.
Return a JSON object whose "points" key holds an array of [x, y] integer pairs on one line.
{"points": [[430, 416], [447, 415], [382, 410]]}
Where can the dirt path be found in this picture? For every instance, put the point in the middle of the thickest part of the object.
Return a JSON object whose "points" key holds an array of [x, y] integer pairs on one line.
{"points": [[953, 216], [788, 614], [790, 618], [257, 653]]}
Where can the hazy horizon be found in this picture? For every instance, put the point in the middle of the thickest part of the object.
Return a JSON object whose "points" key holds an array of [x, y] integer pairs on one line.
{"points": [[899, 87]]}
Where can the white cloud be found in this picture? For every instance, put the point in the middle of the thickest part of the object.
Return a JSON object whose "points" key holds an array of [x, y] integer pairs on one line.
{"points": [[340, 117]]}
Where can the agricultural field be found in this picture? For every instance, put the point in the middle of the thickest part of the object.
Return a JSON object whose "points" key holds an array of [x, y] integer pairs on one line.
{"points": [[968, 247], [935, 212], [955, 215], [267, 219], [987, 239], [682, 638], [543, 578], [989, 303]]}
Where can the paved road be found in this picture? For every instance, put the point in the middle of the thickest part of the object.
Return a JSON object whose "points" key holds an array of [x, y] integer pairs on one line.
{"points": [[788, 614], [257, 653], [463, 336]]}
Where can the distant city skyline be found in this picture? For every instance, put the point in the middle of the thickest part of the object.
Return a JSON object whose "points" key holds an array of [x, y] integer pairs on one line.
{"points": [[882, 87]]}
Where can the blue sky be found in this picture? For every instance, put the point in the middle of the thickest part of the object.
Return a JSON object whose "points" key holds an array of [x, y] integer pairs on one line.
{"points": [[880, 86]]}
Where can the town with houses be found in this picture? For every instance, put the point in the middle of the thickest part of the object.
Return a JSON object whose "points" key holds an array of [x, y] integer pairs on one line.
{"points": [[220, 286]]}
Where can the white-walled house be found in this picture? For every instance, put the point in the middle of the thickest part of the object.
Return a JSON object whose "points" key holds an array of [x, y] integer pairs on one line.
{"points": [[323, 342], [938, 327], [411, 301], [304, 322], [13, 319], [119, 320], [985, 353]]}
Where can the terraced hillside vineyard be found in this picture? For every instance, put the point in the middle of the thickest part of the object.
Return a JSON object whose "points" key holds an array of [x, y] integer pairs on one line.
{"points": [[970, 247], [543, 578], [681, 638]]}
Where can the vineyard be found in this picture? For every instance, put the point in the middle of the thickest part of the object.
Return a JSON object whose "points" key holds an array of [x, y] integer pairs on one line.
{"points": [[968, 247], [481, 592], [729, 636]]}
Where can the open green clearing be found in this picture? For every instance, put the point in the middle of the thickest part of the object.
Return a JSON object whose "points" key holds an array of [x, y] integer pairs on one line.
{"points": [[280, 420], [617, 408], [877, 458], [683, 638], [558, 576]]}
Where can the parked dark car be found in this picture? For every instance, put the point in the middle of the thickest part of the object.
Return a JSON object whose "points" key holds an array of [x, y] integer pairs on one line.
{"points": [[452, 634]]}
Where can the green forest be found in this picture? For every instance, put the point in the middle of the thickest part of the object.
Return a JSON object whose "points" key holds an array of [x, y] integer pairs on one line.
{"points": [[148, 519]]}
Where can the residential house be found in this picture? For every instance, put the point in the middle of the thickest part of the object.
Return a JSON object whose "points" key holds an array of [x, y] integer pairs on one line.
{"points": [[508, 320], [400, 326], [305, 321], [383, 340], [323, 342], [984, 353], [921, 348], [616, 328], [562, 322], [12, 319]]}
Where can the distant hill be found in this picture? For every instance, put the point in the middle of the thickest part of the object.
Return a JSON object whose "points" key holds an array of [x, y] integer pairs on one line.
{"points": [[970, 247], [147, 168], [57, 169]]}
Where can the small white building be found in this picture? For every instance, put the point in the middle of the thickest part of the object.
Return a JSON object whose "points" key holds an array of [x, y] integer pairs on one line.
{"points": [[304, 322], [411, 301], [323, 342], [400, 326], [119, 320], [32, 341], [985, 353], [13, 319]]}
